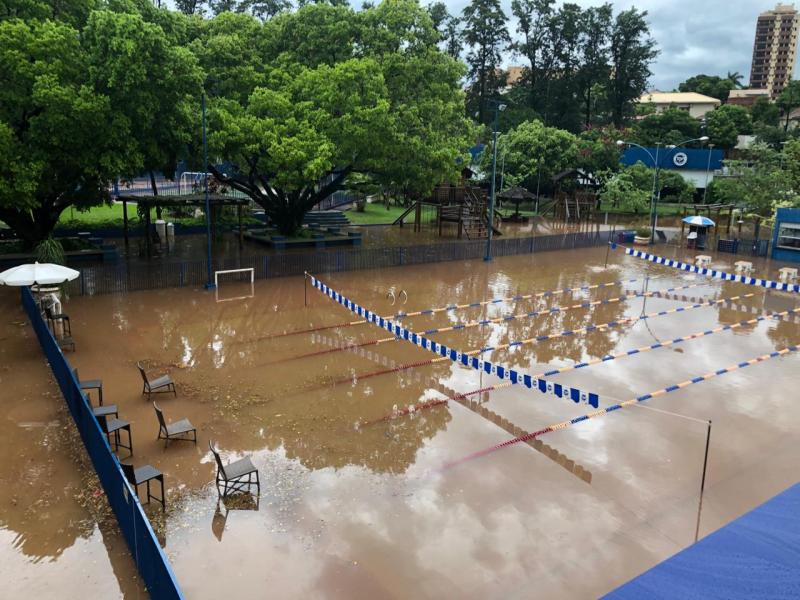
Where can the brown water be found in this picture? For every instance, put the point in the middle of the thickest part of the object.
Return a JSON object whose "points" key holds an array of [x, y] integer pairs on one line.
{"points": [[369, 511], [58, 537]]}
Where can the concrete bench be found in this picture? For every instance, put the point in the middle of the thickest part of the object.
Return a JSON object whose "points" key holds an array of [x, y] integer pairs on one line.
{"points": [[701, 260], [743, 266], [788, 274]]}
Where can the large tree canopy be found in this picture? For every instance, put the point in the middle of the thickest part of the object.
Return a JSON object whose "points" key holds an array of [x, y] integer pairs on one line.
{"points": [[364, 92], [533, 153], [99, 95], [62, 141]]}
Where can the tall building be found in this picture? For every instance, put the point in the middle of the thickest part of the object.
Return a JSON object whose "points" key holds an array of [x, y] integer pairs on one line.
{"points": [[775, 49]]}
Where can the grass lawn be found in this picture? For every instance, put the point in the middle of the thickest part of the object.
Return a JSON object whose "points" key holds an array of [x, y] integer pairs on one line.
{"points": [[376, 214], [111, 216], [664, 210], [99, 216]]}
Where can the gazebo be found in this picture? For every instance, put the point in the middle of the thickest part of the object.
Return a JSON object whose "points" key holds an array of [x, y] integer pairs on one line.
{"points": [[171, 197], [516, 194]]}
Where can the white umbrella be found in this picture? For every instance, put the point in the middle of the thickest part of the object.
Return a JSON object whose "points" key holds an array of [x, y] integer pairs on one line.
{"points": [[699, 221], [37, 274]]}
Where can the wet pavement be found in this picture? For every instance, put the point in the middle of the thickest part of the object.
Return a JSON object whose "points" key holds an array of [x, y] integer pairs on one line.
{"points": [[58, 537], [353, 509]]}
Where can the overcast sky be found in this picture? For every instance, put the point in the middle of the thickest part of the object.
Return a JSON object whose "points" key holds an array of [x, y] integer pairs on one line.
{"points": [[694, 36]]}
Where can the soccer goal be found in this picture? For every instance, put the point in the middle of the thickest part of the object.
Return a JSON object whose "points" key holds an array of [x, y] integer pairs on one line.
{"points": [[235, 275]]}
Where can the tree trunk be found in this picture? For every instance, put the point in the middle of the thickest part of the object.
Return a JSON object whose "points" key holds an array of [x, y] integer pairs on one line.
{"points": [[34, 225], [155, 193]]}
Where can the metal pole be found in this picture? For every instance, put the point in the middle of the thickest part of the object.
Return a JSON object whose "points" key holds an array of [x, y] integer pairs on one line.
{"points": [[488, 256], [653, 200], [209, 282], [703, 482], [708, 168], [305, 288]]}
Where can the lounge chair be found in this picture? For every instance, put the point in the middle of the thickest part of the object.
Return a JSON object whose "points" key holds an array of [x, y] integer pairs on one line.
{"points": [[232, 475], [163, 384], [145, 474], [179, 430]]}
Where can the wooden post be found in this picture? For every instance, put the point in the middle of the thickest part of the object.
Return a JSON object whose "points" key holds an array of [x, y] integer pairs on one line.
{"points": [[241, 230], [125, 223], [147, 240], [730, 218]]}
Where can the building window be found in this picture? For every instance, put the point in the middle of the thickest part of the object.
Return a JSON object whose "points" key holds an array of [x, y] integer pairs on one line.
{"points": [[789, 236]]}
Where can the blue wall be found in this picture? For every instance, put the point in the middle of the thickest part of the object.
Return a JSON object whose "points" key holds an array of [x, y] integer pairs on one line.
{"points": [[696, 159], [785, 215]]}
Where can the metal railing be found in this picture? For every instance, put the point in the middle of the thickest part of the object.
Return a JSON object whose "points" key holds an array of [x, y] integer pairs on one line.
{"points": [[145, 549], [123, 277]]}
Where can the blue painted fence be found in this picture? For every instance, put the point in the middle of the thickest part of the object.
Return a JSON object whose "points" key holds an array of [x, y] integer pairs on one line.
{"points": [[150, 559]]}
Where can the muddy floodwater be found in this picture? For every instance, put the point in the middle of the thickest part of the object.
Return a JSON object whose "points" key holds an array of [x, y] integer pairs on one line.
{"points": [[361, 500], [58, 536]]}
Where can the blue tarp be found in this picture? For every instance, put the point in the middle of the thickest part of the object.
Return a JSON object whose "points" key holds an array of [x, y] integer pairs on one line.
{"points": [[755, 557]]}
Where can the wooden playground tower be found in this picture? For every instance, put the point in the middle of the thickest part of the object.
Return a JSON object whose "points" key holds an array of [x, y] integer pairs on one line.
{"points": [[576, 196], [463, 205]]}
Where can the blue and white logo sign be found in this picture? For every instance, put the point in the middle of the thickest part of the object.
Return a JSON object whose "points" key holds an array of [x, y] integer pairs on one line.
{"points": [[680, 159]]}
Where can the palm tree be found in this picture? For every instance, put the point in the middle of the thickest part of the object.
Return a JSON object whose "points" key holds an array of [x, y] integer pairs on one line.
{"points": [[736, 79]]}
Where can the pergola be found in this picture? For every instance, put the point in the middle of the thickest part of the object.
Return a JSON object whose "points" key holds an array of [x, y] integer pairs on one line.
{"points": [[185, 201]]}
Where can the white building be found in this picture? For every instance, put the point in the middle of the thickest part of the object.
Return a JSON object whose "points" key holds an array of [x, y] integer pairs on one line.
{"points": [[697, 105]]}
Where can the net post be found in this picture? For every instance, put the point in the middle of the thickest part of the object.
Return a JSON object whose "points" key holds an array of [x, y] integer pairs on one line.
{"points": [[305, 289], [703, 482]]}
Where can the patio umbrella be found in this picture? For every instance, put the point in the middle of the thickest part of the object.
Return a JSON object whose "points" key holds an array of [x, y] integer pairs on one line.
{"points": [[699, 221], [37, 274]]}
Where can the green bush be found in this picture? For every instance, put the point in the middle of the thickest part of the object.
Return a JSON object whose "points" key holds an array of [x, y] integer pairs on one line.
{"points": [[643, 232]]}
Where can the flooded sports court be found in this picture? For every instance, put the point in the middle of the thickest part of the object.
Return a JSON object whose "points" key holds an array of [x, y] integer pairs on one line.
{"points": [[380, 470]]}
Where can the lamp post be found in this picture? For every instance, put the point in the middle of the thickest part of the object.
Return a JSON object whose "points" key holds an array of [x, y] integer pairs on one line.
{"points": [[657, 164], [498, 108], [209, 281], [708, 169]]}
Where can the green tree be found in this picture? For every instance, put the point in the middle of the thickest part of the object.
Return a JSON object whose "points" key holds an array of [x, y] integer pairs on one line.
{"points": [[762, 183], [62, 141], [71, 12], [709, 85], [152, 84], [736, 79], [486, 35], [671, 126], [533, 154], [594, 70], [598, 151], [788, 101], [620, 191], [392, 110], [632, 51], [722, 129], [765, 112], [453, 37]]}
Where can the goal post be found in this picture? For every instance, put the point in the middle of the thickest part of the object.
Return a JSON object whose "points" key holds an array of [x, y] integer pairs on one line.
{"points": [[233, 272]]}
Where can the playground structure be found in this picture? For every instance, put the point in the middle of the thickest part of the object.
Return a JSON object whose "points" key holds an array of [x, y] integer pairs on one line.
{"points": [[464, 206], [576, 198]]}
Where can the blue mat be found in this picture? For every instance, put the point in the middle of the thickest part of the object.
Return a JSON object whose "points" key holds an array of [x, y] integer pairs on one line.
{"points": [[755, 557]]}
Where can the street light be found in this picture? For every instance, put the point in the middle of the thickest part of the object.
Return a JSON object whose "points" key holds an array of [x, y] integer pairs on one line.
{"points": [[708, 169], [498, 108], [657, 163]]}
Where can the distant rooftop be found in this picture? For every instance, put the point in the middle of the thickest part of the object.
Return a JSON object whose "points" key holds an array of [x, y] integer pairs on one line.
{"points": [[676, 98], [748, 92]]}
